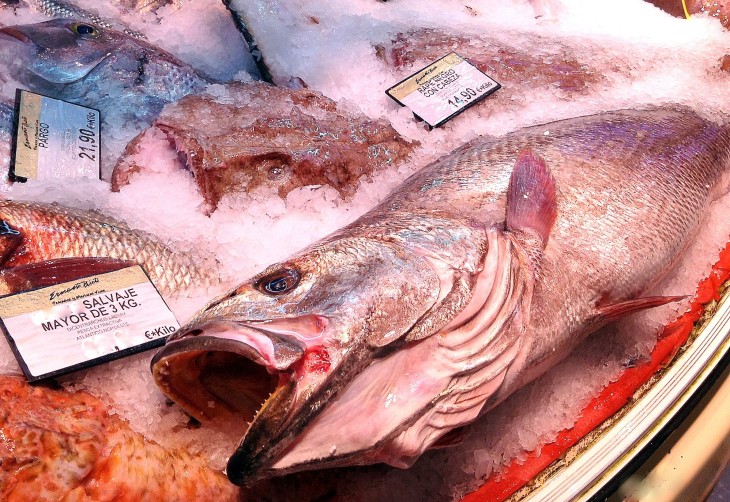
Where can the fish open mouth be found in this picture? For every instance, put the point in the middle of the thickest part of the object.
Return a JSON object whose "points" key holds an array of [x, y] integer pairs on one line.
{"points": [[224, 370], [189, 152]]}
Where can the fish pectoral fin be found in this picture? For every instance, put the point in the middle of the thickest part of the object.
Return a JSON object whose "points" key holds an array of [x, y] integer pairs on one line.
{"points": [[51, 272], [10, 239], [531, 206], [613, 311]]}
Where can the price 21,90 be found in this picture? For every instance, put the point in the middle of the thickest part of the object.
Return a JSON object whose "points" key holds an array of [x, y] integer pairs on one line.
{"points": [[91, 149]]}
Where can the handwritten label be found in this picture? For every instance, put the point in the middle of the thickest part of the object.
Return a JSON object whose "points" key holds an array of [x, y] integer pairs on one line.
{"points": [[78, 324], [443, 89], [55, 139]]}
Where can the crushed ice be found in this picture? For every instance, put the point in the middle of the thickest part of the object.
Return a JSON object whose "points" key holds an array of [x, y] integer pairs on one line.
{"points": [[664, 60]]}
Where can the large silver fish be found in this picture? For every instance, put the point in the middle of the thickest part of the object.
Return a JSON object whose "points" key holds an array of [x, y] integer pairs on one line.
{"points": [[99, 67], [476, 275]]}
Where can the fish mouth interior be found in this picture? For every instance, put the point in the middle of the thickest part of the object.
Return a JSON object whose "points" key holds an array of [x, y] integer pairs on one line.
{"points": [[179, 146], [212, 384]]}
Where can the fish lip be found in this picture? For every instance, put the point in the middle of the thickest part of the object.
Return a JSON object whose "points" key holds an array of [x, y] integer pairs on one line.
{"points": [[250, 462], [190, 155], [185, 148], [187, 343], [277, 404], [15, 35], [258, 360]]}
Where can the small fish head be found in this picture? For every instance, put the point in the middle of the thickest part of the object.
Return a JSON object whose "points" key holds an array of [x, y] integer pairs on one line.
{"points": [[63, 51], [279, 348]]}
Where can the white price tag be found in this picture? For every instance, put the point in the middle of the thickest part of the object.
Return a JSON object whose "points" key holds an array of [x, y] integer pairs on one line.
{"points": [[443, 89], [78, 324], [55, 139]]}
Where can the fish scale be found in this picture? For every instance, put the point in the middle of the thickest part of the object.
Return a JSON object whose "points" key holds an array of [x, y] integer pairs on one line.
{"points": [[65, 9], [51, 232]]}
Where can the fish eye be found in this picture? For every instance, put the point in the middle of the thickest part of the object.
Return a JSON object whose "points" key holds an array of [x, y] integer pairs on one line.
{"points": [[279, 282], [276, 172], [85, 30]]}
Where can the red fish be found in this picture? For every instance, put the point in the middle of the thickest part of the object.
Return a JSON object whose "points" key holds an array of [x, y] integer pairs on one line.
{"points": [[58, 445], [43, 244]]}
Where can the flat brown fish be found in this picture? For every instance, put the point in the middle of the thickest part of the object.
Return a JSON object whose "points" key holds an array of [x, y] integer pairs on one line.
{"points": [[475, 276], [536, 66], [42, 244], [256, 134], [59, 445]]}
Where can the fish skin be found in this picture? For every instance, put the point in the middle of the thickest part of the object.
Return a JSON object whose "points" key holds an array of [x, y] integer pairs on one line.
{"points": [[452, 293], [263, 135], [49, 232], [106, 69], [60, 445]]}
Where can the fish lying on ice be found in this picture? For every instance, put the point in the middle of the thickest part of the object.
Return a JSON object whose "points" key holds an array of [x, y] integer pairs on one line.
{"points": [[476, 275], [123, 77], [42, 244], [60, 445], [537, 65], [255, 134]]}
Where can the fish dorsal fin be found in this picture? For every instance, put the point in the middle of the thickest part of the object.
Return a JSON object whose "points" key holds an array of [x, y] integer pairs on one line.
{"points": [[531, 204], [609, 312]]}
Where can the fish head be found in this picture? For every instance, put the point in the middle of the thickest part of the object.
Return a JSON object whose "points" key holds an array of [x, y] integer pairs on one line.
{"points": [[63, 51], [279, 348]]}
